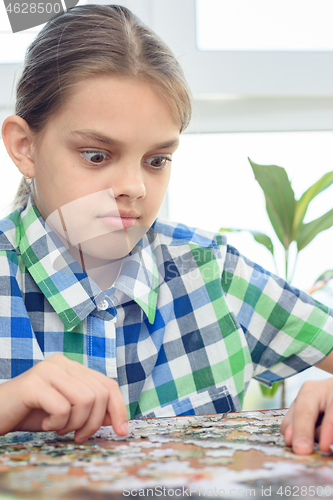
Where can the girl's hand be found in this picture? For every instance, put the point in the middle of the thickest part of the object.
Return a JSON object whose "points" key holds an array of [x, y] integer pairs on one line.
{"points": [[62, 395], [310, 418]]}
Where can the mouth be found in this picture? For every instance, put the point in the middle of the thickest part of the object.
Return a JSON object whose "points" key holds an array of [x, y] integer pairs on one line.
{"points": [[120, 220]]}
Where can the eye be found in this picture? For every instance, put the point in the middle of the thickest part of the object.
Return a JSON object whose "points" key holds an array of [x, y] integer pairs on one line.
{"points": [[158, 162], [94, 156]]}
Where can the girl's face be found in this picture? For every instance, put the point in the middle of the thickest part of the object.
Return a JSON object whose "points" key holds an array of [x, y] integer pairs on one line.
{"points": [[102, 164]]}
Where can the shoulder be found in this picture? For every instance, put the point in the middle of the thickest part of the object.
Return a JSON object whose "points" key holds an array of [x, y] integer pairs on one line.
{"points": [[177, 234], [183, 249]]}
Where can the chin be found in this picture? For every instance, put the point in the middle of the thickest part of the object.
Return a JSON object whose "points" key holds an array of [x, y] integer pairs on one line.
{"points": [[114, 245]]}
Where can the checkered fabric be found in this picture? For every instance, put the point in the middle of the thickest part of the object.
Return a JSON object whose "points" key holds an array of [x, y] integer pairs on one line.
{"points": [[183, 329]]}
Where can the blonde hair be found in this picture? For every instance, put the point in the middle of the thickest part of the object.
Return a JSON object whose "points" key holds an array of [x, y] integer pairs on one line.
{"points": [[94, 40]]}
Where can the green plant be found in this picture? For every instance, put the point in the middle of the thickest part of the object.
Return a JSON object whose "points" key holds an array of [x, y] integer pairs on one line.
{"points": [[286, 215], [321, 281]]}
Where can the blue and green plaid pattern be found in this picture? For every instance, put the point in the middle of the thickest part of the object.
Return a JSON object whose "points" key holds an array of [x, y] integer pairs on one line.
{"points": [[183, 329]]}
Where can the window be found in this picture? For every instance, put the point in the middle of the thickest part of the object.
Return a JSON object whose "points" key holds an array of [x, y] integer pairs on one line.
{"points": [[264, 25]]}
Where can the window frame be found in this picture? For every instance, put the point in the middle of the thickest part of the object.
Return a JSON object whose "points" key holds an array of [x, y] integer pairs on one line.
{"points": [[226, 97]]}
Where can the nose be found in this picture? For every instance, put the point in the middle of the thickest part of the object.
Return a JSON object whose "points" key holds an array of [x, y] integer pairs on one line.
{"points": [[128, 182]]}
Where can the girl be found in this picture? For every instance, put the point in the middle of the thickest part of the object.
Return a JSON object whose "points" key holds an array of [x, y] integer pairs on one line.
{"points": [[105, 311]]}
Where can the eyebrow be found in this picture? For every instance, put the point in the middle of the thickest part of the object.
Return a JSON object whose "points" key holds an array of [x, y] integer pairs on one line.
{"points": [[95, 136]]}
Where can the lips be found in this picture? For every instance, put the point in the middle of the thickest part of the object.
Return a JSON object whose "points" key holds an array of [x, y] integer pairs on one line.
{"points": [[120, 219], [122, 214]]}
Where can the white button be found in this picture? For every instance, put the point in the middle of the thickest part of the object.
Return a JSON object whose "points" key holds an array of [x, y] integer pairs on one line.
{"points": [[103, 305]]}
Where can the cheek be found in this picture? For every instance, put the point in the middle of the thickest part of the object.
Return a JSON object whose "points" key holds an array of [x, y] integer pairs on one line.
{"points": [[157, 190]]}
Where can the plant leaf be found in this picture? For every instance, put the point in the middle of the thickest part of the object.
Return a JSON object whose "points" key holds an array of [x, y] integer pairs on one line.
{"points": [[321, 281], [310, 230], [269, 392], [261, 238], [276, 225], [326, 274], [280, 199], [303, 203]]}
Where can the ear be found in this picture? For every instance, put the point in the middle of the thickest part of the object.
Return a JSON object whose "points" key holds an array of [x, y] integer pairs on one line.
{"points": [[17, 137]]}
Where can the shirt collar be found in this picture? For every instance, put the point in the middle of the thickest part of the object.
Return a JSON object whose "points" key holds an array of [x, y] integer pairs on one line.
{"points": [[139, 276], [68, 288]]}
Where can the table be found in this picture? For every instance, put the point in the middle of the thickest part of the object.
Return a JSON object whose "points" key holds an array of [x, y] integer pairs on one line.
{"points": [[234, 455]]}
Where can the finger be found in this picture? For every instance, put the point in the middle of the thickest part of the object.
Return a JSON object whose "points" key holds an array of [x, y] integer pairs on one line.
{"points": [[116, 412], [34, 399], [96, 415], [109, 400], [286, 426], [326, 429], [288, 435], [53, 403], [80, 397], [116, 408], [32, 422], [92, 425], [305, 414]]}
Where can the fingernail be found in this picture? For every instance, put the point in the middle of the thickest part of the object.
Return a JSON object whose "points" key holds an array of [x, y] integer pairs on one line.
{"points": [[81, 439], [303, 445], [124, 428]]}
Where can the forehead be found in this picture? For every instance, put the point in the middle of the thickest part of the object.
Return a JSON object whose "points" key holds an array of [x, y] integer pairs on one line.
{"points": [[121, 106]]}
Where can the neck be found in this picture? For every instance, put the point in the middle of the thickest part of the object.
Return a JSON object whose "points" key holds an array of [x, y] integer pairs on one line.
{"points": [[104, 276], [103, 272]]}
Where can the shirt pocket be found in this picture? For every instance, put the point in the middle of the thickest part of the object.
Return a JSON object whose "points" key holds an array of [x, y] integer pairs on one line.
{"points": [[209, 401]]}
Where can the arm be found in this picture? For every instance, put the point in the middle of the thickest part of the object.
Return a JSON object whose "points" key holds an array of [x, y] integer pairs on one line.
{"points": [[287, 331], [310, 416], [327, 363], [62, 395], [56, 393]]}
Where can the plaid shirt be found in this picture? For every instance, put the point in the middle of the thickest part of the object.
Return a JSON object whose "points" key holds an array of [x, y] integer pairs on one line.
{"points": [[183, 329]]}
